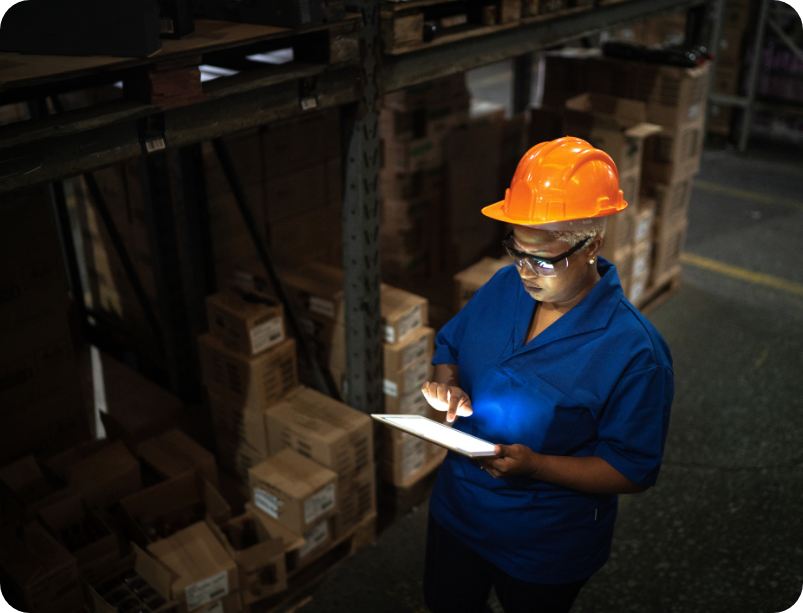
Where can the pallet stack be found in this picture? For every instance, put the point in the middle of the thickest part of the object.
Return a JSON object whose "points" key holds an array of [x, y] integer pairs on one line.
{"points": [[412, 124]]}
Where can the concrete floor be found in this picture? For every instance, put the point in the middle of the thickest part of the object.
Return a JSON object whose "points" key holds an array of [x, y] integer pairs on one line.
{"points": [[723, 529]]}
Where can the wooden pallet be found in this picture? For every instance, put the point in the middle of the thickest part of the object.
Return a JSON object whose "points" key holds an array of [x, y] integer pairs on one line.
{"points": [[171, 77], [302, 582], [660, 290], [585, 5]]}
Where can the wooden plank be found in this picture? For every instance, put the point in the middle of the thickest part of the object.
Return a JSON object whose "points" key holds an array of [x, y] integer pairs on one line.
{"points": [[403, 5], [20, 70], [458, 33]]}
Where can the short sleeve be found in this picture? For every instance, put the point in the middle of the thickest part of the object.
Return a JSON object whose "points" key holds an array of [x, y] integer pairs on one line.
{"points": [[634, 425]]}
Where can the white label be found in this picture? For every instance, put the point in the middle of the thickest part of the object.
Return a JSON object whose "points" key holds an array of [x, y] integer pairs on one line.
{"points": [[390, 388], [694, 111], [414, 404], [313, 538], [637, 290], [155, 144], [308, 103], [318, 504], [267, 502], [322, 306], [166, 26], [390, 334], [415, 351], [267, 335], [643, 229], [206, 591], [640, 266]]}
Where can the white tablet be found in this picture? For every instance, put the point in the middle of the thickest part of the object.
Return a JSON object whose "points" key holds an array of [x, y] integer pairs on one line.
{"points": [[442, 435]]}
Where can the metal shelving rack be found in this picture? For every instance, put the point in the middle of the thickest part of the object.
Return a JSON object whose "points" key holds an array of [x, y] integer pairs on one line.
{"points": [[748, 102], [49, 149]]}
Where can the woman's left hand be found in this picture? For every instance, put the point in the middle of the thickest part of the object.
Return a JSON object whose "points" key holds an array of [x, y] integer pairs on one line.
{"points": [[511, 460]]}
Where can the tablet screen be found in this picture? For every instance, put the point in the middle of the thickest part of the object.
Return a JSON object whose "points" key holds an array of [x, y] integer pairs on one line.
{"points": [[440, 434]]}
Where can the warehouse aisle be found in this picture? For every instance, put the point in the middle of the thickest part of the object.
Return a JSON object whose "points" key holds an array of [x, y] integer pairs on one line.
{"points": [[722, 531]]}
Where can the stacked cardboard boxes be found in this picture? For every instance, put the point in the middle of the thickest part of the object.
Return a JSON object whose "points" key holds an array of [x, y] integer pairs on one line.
{"points": [[41, 400], [247, 364], [413, 124], [468, 281]]}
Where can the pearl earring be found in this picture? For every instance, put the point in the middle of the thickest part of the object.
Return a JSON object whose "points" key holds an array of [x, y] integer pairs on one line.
{"points": [[591, 261]]}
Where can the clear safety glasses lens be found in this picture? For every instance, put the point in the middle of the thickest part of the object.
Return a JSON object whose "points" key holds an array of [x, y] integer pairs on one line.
{"points": [[537, 267]]}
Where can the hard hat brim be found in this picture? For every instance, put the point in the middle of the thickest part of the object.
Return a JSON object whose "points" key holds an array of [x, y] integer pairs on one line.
{"points": [[497, 211]]}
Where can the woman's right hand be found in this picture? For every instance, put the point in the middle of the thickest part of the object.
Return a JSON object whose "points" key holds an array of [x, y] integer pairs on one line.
{"points": [[449, 398]]}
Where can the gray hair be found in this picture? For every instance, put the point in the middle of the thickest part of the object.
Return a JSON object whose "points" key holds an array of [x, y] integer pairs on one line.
{"points": [[572, 237]]}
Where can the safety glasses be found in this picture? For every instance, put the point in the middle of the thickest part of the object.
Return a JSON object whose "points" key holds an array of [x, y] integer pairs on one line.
{"points": [[543, 267]]}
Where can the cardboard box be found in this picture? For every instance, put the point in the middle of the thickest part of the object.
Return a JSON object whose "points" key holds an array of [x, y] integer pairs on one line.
{"points": [[622, 258], [327, 431], [159, 510], [236, 456], [413, 403], [42, 575], [104, 477], [645, 219], [245, 321], [357, 500], [411, 185], [669, 244], [259, 555], [255, 381], [302, 141], [174, 453], [413, 472], [468, 281], [204, 570], [417, 345], [642, 260], [427, 94], [82, 532], [402, 313], [619, 231], [138, 575], [26, 487], [675, 96], [727, 80], [243, 424], [294, 490], [409, 380], [672, 202], [673, 156], [291, 540]]}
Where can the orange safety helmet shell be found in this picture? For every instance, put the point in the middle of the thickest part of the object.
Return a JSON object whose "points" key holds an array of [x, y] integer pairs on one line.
{"points": [[560, 180]]}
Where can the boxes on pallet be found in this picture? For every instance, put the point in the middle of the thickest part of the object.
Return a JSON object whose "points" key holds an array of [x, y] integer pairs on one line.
{"points": [[645, 219], [25, 487], [257, 380], [672, 201], [674, 154], [258, 553], [620, 231], [83, 533], [294, 490], [244, 320], [411, 185], [174, 453], [160, 510], [408, 380], [640, 276], [417, 345], [669, 243], [412, 403], [240, 434], [204, 571], [138, 570], [42, 576], [468, 281]]}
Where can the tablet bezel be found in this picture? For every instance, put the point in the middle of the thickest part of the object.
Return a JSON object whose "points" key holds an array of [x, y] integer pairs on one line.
{"points": [[383, 418]]}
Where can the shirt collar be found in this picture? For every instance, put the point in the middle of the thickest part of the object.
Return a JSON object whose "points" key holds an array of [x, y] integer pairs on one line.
{"points": [[593, 312]]}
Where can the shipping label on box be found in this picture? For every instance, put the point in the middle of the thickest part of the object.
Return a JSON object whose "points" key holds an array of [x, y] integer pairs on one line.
{"points": [[402, 313], [642, 252], [294, 490], [245, 321], [314, 539]]}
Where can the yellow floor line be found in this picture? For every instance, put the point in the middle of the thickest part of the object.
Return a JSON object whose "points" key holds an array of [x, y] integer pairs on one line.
{"points": [[790, 287], [744, 194]]}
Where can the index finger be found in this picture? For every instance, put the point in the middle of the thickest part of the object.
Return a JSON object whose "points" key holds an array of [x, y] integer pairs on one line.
{"points": [[454, 402]]}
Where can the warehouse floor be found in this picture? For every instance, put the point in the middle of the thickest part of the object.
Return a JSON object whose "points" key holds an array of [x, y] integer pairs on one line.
{"points": [[723, 529]]}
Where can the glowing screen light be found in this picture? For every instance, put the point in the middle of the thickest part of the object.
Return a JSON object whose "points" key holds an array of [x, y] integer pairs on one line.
{"points": [[439, 434]]}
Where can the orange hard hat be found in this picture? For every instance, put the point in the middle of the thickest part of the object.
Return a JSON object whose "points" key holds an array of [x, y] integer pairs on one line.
{"points": [[560, 180]]}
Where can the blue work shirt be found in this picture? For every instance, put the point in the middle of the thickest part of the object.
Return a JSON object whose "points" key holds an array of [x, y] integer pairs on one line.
{"points": [[598, 382]]}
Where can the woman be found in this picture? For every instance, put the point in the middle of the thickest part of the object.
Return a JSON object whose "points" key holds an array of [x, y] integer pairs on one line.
{"points": [[550, 361]]}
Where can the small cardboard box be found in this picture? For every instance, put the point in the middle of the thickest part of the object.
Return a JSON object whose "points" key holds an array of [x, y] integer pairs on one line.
{"points": [[620, 229], [413, 468], [259, 380], [669, 245], [259, 555], [104, 477], [294, 490], [469, 280], [409, 380], [645, 220], [245, 320], [417, 345], [327, 431], [413, 403], [42, 575], [171, 505], [672, 202], [242, 423], [357, 500], [138, 575], [81, 531], [174, 453], [402, 313], [26, 487], [205, 572], [674, 155]]}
